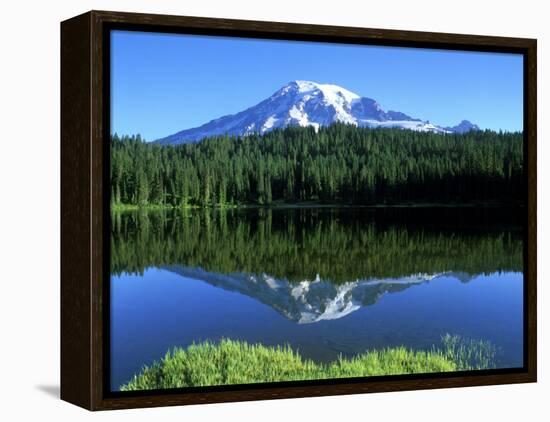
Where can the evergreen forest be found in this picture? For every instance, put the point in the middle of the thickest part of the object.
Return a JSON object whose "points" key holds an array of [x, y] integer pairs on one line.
{"points": [[339, 164]]}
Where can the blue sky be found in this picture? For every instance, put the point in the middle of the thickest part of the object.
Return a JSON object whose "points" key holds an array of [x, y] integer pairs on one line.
{"points": [[164, 83]]}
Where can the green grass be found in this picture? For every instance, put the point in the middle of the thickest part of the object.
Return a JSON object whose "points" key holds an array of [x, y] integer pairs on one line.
{"points": [[157, 207], [145, 207], [469, 354], [236, 362]]}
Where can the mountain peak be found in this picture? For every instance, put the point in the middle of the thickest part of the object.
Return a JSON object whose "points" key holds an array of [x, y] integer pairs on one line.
{"points": [[329, 90], [304, 86], [309, 103], [463, 127]]}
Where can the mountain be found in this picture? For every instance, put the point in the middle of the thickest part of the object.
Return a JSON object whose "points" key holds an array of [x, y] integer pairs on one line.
{"points": [[463, 127], [310, 300], [306, 103]]}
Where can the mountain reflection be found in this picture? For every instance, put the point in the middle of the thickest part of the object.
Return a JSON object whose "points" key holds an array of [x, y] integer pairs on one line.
{"points": [[309, 300]]}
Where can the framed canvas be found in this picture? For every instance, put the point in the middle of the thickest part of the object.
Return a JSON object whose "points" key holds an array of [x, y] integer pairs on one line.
{"points": [[260, 210]]}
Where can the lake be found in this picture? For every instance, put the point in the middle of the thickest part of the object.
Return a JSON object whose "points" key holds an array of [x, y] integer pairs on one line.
{"points": [[326, 281]]}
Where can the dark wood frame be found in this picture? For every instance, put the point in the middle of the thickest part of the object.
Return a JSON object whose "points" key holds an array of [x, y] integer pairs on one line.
{"points": [[84, 219]]}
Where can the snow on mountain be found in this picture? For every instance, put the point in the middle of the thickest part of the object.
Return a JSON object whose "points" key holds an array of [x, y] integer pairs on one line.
{"points": [[306, 103], [310, 300]]}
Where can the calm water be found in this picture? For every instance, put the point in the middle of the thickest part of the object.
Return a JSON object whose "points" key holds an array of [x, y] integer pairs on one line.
{"points": [[328, 282]]}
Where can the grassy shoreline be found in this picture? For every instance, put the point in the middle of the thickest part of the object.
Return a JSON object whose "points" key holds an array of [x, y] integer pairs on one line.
{"points": [[311, 204], [236, 362]]}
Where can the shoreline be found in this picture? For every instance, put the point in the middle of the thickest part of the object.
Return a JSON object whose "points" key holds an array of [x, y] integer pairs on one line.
{"points": [[313, 204], [234, 362]]}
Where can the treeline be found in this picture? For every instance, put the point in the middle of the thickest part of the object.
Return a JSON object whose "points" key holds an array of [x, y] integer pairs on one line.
{"points": [[338, 164], [298, 244]]}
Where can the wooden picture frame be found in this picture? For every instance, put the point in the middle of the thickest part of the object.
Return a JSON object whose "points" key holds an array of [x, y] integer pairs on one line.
{"points": [[85, 215]]}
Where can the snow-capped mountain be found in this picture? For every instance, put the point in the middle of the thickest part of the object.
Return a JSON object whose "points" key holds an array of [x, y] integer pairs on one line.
{"points": [[306, 103], [310, 300]]}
